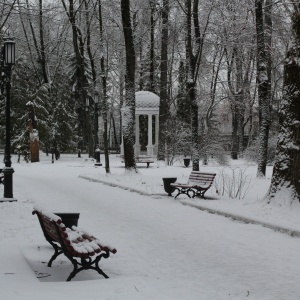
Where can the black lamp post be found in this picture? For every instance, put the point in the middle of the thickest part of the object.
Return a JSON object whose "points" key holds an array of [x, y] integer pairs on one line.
{"points": [[9, 60], [97, 148]]}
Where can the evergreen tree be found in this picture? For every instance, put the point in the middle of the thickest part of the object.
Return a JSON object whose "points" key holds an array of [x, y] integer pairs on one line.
{"points": [[22, 90], [285, 184], [63, 117], [53, 105]]}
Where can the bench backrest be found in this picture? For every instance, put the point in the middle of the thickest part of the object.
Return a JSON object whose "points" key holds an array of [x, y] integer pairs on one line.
{"points": [[197, 177], [52, 226], [55, 230]]}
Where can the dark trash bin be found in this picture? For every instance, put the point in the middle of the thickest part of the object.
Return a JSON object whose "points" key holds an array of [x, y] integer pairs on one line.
{"points": [[186, 161], [69, 219], [97, 156], [167, 184]]}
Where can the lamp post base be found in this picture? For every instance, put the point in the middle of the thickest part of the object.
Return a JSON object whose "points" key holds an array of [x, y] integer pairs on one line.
{"points": [[8, 182], [8, 200]]}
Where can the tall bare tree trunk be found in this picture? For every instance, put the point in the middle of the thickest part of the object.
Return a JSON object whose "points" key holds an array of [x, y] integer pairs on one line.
{"points": [[191, 82], [240, 101], [268, 38], [164, 107], [91, 144], [42, 44], [194, 46], [129, 113], [83, 84], [234, 125], [264, 96], [104, 88], [152, 24]]}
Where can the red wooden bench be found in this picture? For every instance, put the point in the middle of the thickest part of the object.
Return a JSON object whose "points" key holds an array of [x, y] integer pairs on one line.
{"points": [[198, 183], [81, 248]]}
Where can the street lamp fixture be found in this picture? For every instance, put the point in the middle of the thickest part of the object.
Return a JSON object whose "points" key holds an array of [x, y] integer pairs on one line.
{"points": [[9, 61], [9, 52]]}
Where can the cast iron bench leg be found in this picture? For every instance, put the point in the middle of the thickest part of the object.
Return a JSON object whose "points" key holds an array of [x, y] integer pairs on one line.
{"points": [[191, 190], [182, 191], [57, 252], [87, 264], [177, 193]]}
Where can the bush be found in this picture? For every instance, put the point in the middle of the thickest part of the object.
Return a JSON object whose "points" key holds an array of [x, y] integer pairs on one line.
{"points": [[233, 182]]}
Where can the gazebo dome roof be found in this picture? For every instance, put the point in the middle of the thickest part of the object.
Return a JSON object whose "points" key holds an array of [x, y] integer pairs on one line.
{"points": [[146, 99]]}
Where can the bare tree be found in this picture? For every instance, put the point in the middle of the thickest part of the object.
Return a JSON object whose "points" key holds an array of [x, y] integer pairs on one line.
{"points": [[237, 36], [194, 48], [152, 29], [164, 107], [104, 89], [129, 112], [79, 40], [264, 82]]}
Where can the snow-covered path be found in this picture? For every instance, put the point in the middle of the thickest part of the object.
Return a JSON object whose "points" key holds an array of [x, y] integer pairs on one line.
{"points": [[165, 250]]}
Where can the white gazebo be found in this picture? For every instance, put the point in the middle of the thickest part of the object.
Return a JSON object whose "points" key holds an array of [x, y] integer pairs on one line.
{"points": [[146, 103]]}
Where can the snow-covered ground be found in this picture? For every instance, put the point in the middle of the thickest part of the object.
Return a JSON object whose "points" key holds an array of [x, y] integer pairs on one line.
{"points": [[166, 250]]}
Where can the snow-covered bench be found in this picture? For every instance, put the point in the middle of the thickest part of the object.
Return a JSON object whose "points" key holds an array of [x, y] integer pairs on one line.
{"points": [[81, 248], [198, 183]]}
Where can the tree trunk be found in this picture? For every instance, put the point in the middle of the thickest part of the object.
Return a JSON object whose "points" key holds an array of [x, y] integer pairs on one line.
{"points": [[285, 184], [152, 24], [193, 68], [91, 143], [164, 108], [42, 44], [268, 41], [234, 135], [115, 131], [195, 127], [129, 113], [104, 88], [240, 101], [83, 84], [263, 82]]}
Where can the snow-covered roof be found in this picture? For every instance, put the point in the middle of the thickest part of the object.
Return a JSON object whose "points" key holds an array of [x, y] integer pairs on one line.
{"points": [[145, 103], [146, 99]]}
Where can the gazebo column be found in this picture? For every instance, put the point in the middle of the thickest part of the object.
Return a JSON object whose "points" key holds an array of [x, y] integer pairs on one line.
{"points": [[137, 145], [150, 143], [156, 134]]}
